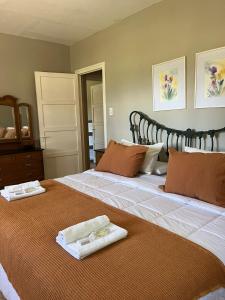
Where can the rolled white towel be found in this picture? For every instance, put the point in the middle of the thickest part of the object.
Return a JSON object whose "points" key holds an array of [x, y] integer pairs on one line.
{"points": [[20, 194], [79, 251], [22, 186], [81, 230]]}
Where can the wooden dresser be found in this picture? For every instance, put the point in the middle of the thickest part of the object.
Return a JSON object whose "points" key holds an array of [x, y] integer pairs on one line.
{"points": [[17, 166]]}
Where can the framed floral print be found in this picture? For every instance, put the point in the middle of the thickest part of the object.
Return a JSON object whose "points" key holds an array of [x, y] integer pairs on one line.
{"points": [[210, 78], [169, 85]]}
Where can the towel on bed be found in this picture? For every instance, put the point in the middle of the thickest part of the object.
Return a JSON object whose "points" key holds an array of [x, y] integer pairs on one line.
{"points": [[25, 185], [81, 230], [87, 237], [23, 190]]}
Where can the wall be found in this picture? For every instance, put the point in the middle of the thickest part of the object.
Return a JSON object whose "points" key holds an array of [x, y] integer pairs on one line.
{"points": [[164, 31], [19, 58]]}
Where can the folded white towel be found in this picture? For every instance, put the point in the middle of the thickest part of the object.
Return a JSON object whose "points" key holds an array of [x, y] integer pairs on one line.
{"points": [[22, 193], [81, 230], [22, 186], [84, 247]]}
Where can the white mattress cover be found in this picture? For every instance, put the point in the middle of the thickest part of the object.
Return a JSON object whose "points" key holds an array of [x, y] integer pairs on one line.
{"points": [[193, 219]]}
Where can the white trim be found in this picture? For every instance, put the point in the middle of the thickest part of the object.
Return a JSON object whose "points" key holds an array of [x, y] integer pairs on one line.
{"points": [[90, 69], [60, 75]]}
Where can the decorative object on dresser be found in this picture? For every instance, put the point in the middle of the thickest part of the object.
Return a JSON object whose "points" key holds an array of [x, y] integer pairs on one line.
{"points": [[98, 154], [20, 161]]}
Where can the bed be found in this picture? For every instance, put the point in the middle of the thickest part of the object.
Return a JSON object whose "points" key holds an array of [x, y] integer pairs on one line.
{"points": [[191, 219]]}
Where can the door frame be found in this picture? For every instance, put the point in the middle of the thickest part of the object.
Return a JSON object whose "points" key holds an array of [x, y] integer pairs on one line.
{"points": [[86, 70]]}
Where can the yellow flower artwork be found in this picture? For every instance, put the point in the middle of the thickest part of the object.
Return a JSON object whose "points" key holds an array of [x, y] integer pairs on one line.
{"points": [[168, 85], [215, 78]]}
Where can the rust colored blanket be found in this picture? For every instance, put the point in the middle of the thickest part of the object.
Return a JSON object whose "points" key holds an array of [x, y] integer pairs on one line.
{"points": [[151, 263]]}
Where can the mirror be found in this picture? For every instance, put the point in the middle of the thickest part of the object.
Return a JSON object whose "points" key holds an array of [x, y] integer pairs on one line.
{"points": [[25, 120], [15, 124], [7, 123]]}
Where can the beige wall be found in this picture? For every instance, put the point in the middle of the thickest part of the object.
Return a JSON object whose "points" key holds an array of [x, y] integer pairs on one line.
{"points": [[167, 30], [19, 58]]}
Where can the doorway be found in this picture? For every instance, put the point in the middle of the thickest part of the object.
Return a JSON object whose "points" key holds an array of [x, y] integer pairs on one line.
{"points": [[92, 103]]}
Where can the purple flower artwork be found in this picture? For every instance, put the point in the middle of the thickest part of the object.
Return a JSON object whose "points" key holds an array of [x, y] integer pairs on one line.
{"points": [[215, 79], [168, 85]]}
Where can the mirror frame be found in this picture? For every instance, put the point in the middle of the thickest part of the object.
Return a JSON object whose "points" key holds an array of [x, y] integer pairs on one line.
{"points": [[26, 140], [12, 102], [19, 142]]}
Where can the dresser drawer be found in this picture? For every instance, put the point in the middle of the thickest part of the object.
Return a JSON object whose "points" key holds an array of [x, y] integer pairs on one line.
{"points": [[7, 166], [20, 178], [21, 167], [13, 177], [33, 175], [30, 156], [5, 181], [30, 165], [6, 161]]}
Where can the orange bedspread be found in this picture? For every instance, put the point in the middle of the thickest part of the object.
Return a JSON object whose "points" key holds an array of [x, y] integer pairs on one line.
{"points": [[151, 263]]}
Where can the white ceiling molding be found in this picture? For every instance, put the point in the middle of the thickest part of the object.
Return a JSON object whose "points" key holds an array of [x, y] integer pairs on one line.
{"points": [[64, 21]]}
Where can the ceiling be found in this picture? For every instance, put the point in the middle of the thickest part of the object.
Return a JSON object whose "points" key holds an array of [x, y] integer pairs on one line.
{"points": [[64, 21]]}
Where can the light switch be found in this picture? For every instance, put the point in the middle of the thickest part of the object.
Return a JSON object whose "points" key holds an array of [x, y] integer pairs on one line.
{"points": [[111, 111]]}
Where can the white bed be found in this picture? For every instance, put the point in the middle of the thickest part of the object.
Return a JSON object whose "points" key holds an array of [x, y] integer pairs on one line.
{"points": [[193, 219]]}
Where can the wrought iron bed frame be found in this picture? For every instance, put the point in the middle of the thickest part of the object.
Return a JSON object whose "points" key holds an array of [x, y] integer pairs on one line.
{"points": [[148, 131]]}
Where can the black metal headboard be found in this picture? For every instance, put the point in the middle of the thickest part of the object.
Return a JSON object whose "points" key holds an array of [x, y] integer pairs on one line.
{"points": [[148, 131]]}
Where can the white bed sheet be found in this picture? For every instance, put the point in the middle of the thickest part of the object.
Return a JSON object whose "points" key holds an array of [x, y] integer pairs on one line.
{"points": [[195, 220]]}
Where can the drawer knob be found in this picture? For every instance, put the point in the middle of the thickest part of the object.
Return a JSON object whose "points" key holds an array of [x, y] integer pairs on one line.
{"points": [[28, 165]]}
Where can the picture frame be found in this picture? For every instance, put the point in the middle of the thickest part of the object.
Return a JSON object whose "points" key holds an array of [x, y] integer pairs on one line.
{"points": [[210, 78], [169, 85]]}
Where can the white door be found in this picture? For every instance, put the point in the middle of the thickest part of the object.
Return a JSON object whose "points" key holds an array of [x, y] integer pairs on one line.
{"points": [[97, 116], [59, 123]]}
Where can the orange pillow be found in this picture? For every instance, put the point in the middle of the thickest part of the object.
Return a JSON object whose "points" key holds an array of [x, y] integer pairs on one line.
{"points": [[197, 175], [122, 160]]}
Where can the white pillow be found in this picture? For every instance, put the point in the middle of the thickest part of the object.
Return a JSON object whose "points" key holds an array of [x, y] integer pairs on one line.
{"points": [[151, 155], [160, 168], [191, 150]]}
